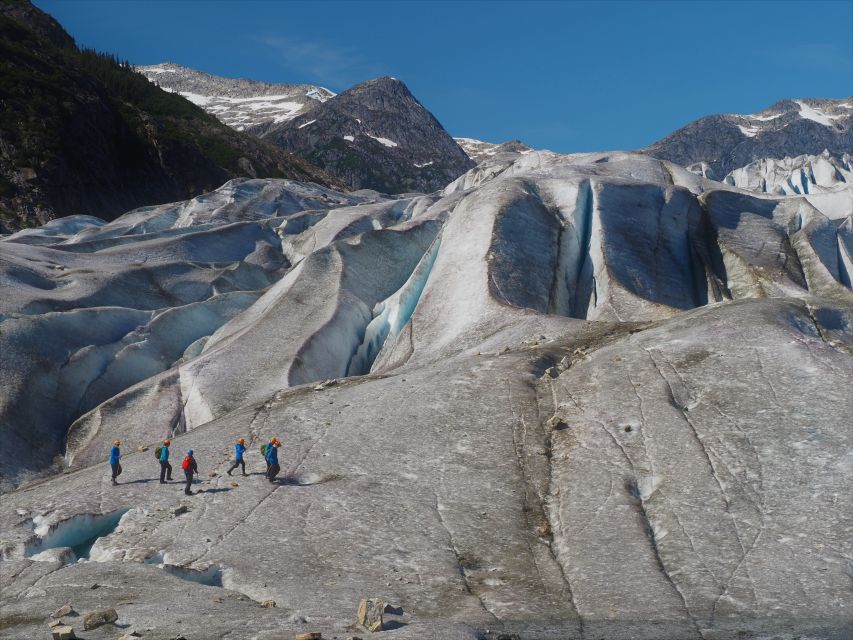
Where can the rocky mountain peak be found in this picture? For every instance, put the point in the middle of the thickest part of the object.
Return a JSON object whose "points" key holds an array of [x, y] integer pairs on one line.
{"points": [[376, 135], [787, 128], [386, 94], [36, 21]]}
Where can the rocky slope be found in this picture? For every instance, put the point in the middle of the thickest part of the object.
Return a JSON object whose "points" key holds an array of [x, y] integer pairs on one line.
{"points": [[566, 397], [479, 150], [245, 105], [375, 135], [81, 133], [788, 128]]}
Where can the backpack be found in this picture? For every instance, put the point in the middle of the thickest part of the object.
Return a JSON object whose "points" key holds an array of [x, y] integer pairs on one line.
{"points": [[264, 449], [186, 465], [158, 451]]}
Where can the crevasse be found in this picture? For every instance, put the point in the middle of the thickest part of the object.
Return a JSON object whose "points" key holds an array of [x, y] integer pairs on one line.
{"points": [[77, 533], [392, 314]]}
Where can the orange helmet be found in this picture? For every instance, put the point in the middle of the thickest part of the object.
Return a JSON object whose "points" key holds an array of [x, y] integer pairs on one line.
{"points": [[116, 442], [167, 442], [272, 439], [241, 440]]}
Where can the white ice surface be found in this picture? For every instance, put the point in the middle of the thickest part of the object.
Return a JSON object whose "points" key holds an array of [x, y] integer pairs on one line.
{"points": [[384, 141]]}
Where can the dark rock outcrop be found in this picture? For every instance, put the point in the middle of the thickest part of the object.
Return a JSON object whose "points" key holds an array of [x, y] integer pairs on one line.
{"points": [[787, 128], [82, 133]]}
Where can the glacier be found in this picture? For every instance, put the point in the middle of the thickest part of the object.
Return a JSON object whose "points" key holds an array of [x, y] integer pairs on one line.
{"points": [[566, 396]]}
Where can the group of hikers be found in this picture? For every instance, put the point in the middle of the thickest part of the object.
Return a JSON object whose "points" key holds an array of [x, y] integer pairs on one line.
{"points": [[190, 467]]}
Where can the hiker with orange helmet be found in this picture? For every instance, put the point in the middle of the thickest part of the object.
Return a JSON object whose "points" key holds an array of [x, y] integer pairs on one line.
{"points": [[272, 460], [239, 450], [115, 457], [165, 467], [265, 449]]}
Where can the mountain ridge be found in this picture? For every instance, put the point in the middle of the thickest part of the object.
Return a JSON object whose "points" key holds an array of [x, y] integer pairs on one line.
{"points": [[787, 128], [237, 101], [82, 133]]}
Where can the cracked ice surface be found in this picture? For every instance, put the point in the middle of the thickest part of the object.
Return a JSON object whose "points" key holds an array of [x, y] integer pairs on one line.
{"points": [[602, 396]]}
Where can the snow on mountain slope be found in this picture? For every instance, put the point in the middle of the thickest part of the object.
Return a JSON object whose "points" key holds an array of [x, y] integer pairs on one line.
{"points": [[788, 128], [479, 150], [240, 103]]}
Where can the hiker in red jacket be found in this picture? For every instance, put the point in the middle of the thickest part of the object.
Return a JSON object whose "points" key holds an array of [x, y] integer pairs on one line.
{"points": [[190, 467]]}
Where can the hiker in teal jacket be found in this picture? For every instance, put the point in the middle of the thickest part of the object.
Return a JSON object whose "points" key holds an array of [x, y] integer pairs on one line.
{"points": [[165, 467], [265, 450], [272, 460], [239, 450]]}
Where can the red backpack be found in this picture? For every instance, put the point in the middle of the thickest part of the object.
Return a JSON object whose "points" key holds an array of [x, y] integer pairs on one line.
{"points": [[186, 465]]}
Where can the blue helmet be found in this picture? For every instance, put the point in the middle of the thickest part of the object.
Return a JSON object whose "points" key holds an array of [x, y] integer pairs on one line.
{"points": [[190, 452]]}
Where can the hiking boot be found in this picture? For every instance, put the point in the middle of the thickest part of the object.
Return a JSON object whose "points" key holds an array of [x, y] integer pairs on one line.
{"points": [[114, 483], [228, 472]]}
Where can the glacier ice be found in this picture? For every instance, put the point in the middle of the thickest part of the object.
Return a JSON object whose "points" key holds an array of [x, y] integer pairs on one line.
{"points": [[78, 534], [392, 314], [558, 383]]}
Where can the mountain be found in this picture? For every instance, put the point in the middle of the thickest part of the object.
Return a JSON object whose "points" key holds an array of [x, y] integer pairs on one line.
{"points": [[375, 135], [245, 105], [81, 133], [587, 396], [787, 128], [479, 150]]}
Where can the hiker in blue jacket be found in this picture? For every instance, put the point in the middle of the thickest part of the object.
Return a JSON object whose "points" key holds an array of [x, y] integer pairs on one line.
{"points": [[115, 457], [239, 450], [272, 460], [165, 467]]}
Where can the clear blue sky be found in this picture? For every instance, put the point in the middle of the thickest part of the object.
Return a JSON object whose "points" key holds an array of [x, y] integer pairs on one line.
{"points": [[567, 76]]}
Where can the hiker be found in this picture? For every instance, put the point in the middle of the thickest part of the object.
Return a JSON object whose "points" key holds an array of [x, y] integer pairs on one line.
{"points": [[272, 460], [115, 457], [239, 450], [265, 449], [162, 454], [190, 467]]}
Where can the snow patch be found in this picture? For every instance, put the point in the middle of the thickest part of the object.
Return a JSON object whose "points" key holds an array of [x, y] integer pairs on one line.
{"points": [[195, 98], [302, 126], [815, 115], [383, 141], [320, 96], [748, 131], [349, 138], [425, 164], [766, 118]]}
